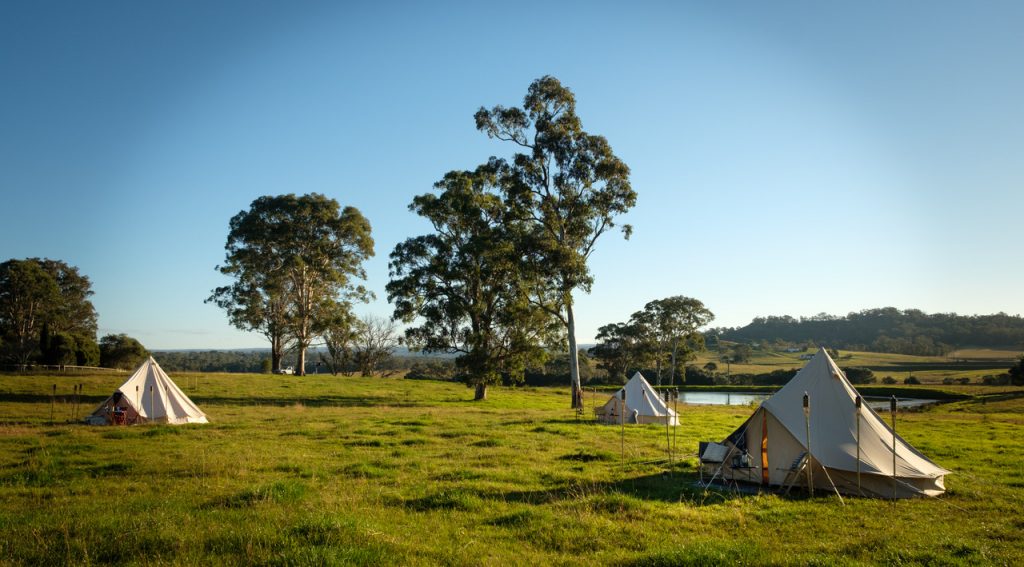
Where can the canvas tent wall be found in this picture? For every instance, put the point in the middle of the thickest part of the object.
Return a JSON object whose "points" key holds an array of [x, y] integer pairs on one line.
{"points": [[643, 405], [770, 446], [149, 395]]}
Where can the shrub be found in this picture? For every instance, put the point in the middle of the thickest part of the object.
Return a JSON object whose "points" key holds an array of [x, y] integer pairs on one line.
{"points": [[911, 380], [888, 380], [859, 375], [996, 380], [431, 371]]}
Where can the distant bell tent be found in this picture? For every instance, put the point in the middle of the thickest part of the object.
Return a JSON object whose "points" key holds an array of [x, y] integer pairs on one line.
{"points": [[149, 396], [642, 405], [851, 450]]}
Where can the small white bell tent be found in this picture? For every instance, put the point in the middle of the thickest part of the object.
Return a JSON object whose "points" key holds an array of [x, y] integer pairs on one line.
{"points": [[851, 448], [148, 396], [642, 405]]}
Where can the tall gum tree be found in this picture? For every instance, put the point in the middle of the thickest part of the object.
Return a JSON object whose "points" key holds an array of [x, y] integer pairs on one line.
{"points": [[294, 259], [464, 283], [572, 187]]}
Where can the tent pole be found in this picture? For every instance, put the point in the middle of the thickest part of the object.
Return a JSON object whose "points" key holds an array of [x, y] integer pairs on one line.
{"points": [[892, 410], [829, 477], [810, 455], [675, 431], [622, 429], [668, 435], [151, 406], [858, 403]]}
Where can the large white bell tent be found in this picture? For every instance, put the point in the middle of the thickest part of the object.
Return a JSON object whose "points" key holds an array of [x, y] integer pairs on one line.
{"points": [[149, 396], [850, 448], [642, 405]]}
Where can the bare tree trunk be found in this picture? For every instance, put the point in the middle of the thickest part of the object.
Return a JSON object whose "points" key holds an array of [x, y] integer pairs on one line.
{"points": [[481, 392], [300, 367], [672, 371], [574, 362], [276, 354]]}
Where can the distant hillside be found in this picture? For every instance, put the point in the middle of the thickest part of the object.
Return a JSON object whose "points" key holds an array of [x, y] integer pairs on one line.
{"points": [[887, 330]]}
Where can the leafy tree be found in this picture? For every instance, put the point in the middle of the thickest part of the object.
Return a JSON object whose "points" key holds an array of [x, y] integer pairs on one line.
{"points": [[74, 312], [741, 353], [375, 341], [339, 339], [572, 187], [859, 375], [670, 325], [121, 351], [29, 296], [620, 347], [58, 348], [464, 282], [256, 301], [293, 260], [1017, 372]]}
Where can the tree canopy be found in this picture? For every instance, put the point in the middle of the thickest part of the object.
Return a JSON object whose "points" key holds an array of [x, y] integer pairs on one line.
{"points": [[570, 185], [293, 260], [121, 351], [664, 333], [670, 327], [464, 283], [41, 299]]}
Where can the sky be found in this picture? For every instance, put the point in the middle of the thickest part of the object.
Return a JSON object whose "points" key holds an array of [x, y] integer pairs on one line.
{"points": [[789, 157]]}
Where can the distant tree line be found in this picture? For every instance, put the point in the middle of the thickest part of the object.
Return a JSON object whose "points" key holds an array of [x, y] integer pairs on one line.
{"points": [[888, 329]]}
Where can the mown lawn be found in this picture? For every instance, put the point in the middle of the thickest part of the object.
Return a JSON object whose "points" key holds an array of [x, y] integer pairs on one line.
{"points": [[331, 470]]}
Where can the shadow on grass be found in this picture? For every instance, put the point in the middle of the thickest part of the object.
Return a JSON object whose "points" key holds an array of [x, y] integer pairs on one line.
{"points": [[675, 488], [320, 401]]}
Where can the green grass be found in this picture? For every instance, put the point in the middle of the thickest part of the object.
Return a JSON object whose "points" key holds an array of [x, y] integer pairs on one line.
{"points": [[354, 471]]}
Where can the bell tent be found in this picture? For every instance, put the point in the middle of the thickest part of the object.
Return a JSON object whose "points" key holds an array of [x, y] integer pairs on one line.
{"points": [[642, 405], [148, 396], [771, 448]]}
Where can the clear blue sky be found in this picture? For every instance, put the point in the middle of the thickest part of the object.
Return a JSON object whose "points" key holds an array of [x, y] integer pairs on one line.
{"points": [[790, 157]]}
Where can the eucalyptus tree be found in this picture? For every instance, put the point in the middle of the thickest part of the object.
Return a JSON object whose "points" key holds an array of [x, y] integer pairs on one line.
{"points": [[463, 283], [572, 186], [671, 327], [294, 259], [256, 299], [620, 347]]}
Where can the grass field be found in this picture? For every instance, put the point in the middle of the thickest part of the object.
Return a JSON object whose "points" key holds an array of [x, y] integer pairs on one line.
{"points": [[324, 470]]}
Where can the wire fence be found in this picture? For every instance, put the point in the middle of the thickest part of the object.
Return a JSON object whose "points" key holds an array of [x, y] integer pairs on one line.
{"points": [[56, 369]]}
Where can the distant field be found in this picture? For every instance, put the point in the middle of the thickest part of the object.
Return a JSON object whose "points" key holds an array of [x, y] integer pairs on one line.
{"points": [[985, 354], [972, 364], [325, 470]]}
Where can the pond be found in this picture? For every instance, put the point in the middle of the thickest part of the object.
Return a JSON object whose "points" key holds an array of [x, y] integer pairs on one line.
{"points": [[747, 398]]}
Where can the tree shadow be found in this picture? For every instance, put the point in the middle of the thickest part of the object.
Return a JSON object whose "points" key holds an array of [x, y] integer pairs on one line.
{"points": [[320, 401], [676, 487]]}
